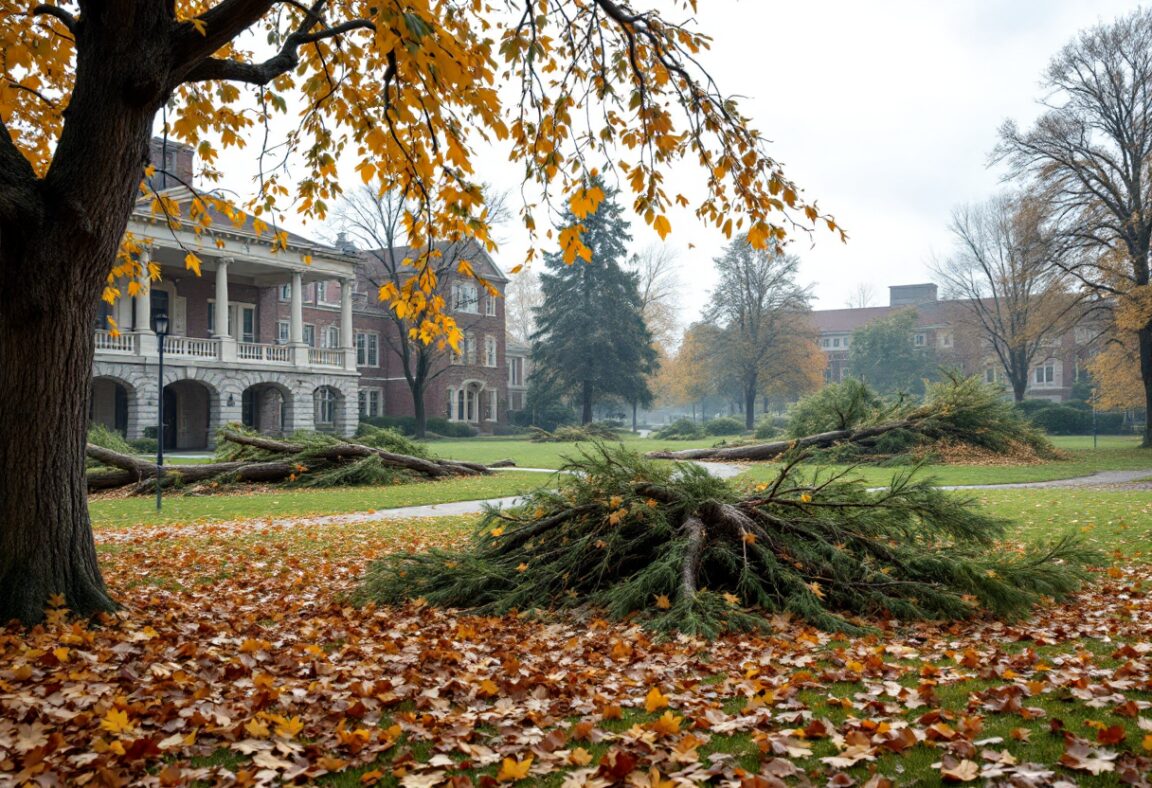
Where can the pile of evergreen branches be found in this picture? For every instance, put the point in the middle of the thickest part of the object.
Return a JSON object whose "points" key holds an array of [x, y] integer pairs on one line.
{"points": [[685, 551]]}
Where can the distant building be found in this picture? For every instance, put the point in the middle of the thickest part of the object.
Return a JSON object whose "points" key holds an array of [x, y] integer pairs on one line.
{"points": [[945, 326]]}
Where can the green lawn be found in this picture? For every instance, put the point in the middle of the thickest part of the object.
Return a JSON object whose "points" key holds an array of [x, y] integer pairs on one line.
{"points": [[527, 454], [120, 512]]}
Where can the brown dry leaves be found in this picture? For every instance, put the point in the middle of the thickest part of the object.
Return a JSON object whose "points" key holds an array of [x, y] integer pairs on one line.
{"points": [[238, 661]]}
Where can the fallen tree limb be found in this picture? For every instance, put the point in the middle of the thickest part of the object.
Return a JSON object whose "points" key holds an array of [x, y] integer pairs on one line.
{"points": [[259, 459], [770, 451]]}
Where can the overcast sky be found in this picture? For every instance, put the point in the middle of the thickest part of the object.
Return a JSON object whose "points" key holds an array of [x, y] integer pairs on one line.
{"points": [[885, 112]]}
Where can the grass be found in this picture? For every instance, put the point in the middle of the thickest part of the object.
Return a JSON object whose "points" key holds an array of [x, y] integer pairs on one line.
{"points": [[286, 502], [527, 454]]}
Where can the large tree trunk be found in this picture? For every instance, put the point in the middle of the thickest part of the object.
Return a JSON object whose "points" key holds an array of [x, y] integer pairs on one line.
{"points": [[586, 402], [750, 406], [56, 248], [1144, 335]]}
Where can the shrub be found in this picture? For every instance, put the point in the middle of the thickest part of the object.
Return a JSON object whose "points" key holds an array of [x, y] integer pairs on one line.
{"points": [[1030, 406], [403, 424], [451, 429], [1063, 420], [770, 426], [723, 425], [509, 429], [144, 445], [679, 430]]}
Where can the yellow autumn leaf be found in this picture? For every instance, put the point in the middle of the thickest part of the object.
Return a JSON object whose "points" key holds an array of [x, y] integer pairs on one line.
{"points": [[512, 770], [663, 602], [654, 700], [667, 725], [257, 729], [116, 721], [192, 263], [816, 589], [662, 226]]}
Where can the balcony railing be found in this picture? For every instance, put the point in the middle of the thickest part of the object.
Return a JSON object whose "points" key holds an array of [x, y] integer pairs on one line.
{"points": [[272, 354], [224, 351], [192, 346], [106, 342], [325, 358]]}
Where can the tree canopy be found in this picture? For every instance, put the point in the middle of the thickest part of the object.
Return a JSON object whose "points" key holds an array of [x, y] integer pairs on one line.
{"points": [[884, 354]]}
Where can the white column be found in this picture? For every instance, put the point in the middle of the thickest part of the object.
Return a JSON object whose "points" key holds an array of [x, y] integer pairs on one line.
{"points": [[227, 343], [145, 336], [451, 404], [144, 296], [296, 328], [347, 337], [220, 329]]}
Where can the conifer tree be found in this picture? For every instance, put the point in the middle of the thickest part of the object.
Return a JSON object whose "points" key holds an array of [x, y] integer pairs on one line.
{"points": [[591, 340]]}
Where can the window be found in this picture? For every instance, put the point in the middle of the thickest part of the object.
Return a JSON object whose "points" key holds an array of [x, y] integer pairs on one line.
{"points": [[328, 293], [286, 292], [367, 349], [330, 337], [309, 335], [325, 400], [1083, 335], [989, 375], [490, 410], [370, 400], [945, 340], [490, 305], [1045, 375], [283, 332], [467, 354], [836, 342], [825, 342], [918, 340], [515, 371], [245, 313], [489, 351], [465, 298]]}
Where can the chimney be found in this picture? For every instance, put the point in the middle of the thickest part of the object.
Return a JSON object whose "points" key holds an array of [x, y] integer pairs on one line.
{"points": [[173, 162], [911, 295], [345, 245]]}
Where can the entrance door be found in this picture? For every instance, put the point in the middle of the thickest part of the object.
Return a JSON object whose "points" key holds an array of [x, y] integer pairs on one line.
{"points": [[250, 408], [170, 404]]}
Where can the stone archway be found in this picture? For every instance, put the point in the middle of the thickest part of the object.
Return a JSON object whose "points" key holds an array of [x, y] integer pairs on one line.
{"points": [[267, 406], [113, 403], [188, 408]]}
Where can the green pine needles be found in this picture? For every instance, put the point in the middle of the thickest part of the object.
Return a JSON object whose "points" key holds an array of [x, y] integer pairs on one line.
{"points": [[685, 551]]}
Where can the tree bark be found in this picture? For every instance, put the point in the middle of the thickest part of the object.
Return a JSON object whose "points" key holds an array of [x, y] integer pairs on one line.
{"points": [[586, 402], [1144, 335], [750, 406], [55, 251]]}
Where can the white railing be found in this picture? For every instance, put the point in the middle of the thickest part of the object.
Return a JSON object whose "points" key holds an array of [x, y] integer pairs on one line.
{"points": [[325, 358], [192, 346], [254, 351], [107, 343]]}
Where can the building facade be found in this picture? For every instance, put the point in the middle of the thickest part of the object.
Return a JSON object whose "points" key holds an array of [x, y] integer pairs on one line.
{"points": [[304, 343], [945, 327]]}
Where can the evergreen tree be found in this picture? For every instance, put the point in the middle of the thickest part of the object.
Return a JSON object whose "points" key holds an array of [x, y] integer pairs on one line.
{"points": [[591, 340], [885, 356]]}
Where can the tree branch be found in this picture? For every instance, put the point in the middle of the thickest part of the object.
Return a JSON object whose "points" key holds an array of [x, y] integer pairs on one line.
{"points": [[18, 180], [66, 18]]}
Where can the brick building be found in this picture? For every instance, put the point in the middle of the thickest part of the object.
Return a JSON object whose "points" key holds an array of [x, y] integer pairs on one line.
{"points": [[304, 342], [946, 328]]}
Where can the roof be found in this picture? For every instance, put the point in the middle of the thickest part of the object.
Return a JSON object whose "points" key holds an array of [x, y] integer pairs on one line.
{"points": [[225, 226], [845, 321], [482, 262]]}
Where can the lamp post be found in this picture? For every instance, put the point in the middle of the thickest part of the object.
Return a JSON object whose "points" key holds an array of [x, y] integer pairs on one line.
{"points": [[161, 320]]}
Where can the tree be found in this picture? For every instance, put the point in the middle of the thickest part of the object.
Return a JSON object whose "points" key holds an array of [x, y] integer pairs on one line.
{"points": [[687, 376], [375, 220], [884, 355], [1115, 369], [658, 283], [1007, 284], [1089, 155], [760, 309], [522, 297], [404, 91], [591, 340], [862, 296]]}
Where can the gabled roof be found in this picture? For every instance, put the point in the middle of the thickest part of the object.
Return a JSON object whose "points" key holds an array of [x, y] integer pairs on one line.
{"points": [[482, 263]]}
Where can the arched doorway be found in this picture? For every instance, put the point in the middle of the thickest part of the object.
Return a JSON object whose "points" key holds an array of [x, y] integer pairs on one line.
{"points": [[187, 414], [266, 407], [471, 402], [110, 403]]}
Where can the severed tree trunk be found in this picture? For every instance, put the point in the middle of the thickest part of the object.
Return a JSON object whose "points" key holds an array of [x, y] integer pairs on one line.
{"points": [[58, 238]]}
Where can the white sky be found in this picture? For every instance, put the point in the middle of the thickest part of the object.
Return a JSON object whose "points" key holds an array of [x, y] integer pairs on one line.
{"points": [[885, 112]]}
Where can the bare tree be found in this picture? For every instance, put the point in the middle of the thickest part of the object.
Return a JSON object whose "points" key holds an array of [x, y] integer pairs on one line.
{"points": [[522, 297], [1008, 283], [376, 223], [1090, 155], [657, 274], [759, 307], [862, 296]]}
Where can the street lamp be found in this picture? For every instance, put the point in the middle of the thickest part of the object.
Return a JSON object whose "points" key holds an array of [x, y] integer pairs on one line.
{"points": [[161, 321]]}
